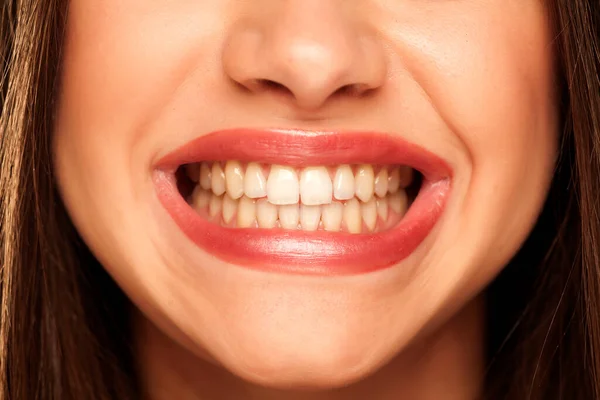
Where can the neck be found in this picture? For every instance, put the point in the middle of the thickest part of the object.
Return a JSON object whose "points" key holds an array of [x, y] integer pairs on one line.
{"points": [[446, 364]]}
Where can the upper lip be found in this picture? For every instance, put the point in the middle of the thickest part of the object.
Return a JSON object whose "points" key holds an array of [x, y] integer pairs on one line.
{"points": [[301, 148]]}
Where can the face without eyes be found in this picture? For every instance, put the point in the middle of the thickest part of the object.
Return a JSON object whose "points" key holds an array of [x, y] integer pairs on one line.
{"points": [[469, 82]]}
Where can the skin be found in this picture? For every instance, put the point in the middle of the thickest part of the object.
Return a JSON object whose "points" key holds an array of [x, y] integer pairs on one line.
{"points": [[471, 81]]}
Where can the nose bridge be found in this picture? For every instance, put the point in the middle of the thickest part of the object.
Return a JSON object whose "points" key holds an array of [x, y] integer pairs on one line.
{"points": [[312, 44], [312, 48]]}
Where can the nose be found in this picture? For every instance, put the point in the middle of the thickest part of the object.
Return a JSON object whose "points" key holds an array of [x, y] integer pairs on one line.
{"points": [[311, 50]]}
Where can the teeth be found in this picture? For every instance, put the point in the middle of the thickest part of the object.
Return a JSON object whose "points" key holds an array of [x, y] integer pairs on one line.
{"points": [[364, 182], [289, 215], [300, 200], [266, 214], [193, 172], [332, 215], [310, 217], [352, 216], [205, 177], [246, 213], [234, 177], [398, 202], [382, 208], [215, 206], [200, 198], [255, 182], [315, 186], [406, 177], [343, 183], [369, 213], [381, 183], [282, 186], [217, 182], [394, 181], [229, 208]]}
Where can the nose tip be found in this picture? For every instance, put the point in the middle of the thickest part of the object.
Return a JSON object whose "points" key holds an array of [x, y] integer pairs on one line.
{"points": [[309, 59]]}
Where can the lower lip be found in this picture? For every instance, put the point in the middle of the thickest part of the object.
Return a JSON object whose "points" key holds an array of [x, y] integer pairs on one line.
{"points": [[307, 253]]}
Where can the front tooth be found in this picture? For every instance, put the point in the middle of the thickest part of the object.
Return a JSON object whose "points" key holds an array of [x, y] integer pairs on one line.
{"points": [[352, 216], [200, 198], [217, 181], [398, 202], [246, 213], [310, 217], [234, 179], [382, 208], [255, 183], [266, 214], [365, 182], [315, 186], [369, 213], [215, 206], [229, 208], [332, 215], [394, 180], [193, 172], [343, 183], [406, 176], [282, 185], [289, 215], [205, 177], [381, 183]]}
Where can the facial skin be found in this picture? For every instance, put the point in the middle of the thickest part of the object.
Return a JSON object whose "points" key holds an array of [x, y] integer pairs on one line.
{"points": [[470, 81]]}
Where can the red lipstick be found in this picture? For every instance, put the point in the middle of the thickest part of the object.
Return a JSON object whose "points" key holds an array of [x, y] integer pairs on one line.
{"points": [[319, 252]]}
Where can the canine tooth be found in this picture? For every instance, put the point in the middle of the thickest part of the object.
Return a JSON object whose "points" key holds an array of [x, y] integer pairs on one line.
{"points": [[365, 182], [234, 179], [215, 206], [315, 186], [193, 171], [369, 213], [200, 198], [406, 176], [205, 177], [382, 208], [246, 213], [352, 216], [381, 183], [332, 215], [398, 202], [266, 214], [343, 183], [310, 217], [394, 180], [282, 185], [255, 182], [229, 208], [289, 215], [217, 181]]}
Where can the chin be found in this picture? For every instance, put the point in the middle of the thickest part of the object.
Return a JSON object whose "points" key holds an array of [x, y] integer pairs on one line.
{"points": [[307, 368]]}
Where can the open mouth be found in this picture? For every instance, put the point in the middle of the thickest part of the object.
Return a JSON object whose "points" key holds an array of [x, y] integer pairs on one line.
{"points": [[304, 202], [345, 198]]}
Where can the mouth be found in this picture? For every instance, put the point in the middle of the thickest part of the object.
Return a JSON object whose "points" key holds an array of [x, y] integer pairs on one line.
{"points": [[325, 203]]}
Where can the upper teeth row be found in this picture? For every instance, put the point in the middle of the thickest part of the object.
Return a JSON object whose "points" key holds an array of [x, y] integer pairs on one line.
{"points": [[283, 185]]}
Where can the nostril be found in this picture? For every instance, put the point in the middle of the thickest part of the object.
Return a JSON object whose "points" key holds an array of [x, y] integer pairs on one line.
{"points": [[350, 90], [274, 86], [353, 90]]}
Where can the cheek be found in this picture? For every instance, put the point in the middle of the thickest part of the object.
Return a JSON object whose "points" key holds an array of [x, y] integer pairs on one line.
{"points": [[490, 78], [482, 80], [125, 61]]}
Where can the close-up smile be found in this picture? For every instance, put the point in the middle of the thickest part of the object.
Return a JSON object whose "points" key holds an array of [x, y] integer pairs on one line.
{"points": [[304, 202], [300, 199]]}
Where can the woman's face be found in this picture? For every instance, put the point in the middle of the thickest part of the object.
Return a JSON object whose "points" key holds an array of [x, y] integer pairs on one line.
{"points": [[305, 271]]}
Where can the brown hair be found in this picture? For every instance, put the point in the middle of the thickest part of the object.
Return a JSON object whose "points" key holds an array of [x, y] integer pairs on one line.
{"points": [[64, 330]]}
